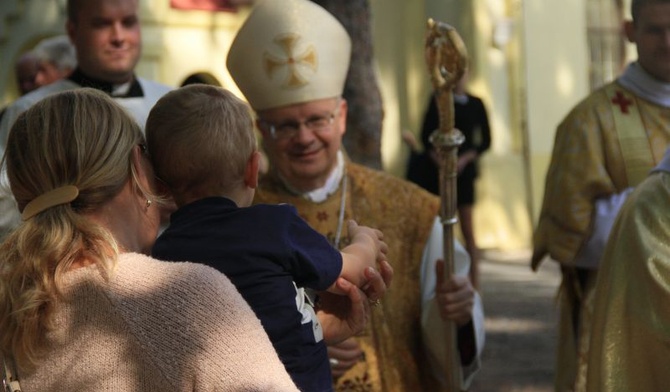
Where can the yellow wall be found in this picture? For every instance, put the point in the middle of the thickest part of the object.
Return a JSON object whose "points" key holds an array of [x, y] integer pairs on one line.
{"points": [[556, 76], [502, 218]]}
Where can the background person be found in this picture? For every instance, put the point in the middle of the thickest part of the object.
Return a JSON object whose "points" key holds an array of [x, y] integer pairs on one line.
{"points": [[52, 59], [57, 59], [423, 168], [107, 38], [604, 147], [26, 68], [81, 308], [292, 73]]}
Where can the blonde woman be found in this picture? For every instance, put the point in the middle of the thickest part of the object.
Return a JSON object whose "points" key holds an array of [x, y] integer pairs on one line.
{"points": [[80, 307]]}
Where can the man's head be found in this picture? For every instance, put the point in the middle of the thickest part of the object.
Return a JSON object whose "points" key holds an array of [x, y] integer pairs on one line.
{"points": [[290, 59], [201, 140], [106, 34], [650, 31], [57, 59], [26, 68]]}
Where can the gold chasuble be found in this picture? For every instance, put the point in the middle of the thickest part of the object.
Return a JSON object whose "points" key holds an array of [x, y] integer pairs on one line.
{"points": [[630, 344], [587, 164], [394, 359], [590, 161]]}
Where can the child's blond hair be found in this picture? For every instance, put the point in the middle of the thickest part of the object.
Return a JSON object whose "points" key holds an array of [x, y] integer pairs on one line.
{"points": [[200, 138]]}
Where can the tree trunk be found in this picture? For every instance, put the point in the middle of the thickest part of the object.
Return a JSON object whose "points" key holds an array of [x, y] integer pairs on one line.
{"points": [[362, 140]]}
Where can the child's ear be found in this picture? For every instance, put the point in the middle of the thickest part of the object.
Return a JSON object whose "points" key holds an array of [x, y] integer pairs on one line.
{"points": [[162, 188], [142, 169], [251, 172]]}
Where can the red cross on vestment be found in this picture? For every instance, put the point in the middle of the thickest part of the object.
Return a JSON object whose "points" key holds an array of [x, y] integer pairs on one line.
{"points": [[622, 101]]}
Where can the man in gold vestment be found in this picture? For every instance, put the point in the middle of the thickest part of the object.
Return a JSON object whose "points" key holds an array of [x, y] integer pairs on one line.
{"points": [[604, 147], [631, 321], [290, 59]]}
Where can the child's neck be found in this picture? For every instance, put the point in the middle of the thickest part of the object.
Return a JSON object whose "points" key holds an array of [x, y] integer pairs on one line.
{"points": [[242, 196]]}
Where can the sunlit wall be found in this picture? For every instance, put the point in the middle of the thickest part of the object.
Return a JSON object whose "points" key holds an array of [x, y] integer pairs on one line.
{"points": [[528, 64]]}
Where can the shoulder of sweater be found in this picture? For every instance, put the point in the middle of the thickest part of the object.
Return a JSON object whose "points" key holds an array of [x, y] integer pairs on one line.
{"points": [[193, 323], [173, 278]]}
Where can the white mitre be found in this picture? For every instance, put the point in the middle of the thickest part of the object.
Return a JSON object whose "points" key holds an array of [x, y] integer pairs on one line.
{"points": [[289, 52]]}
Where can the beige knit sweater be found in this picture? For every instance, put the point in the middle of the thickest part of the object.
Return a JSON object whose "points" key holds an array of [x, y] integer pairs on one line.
{"points": [[156, 326]]}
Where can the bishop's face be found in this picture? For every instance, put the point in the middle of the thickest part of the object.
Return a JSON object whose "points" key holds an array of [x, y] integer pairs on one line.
{"points": [[302, 140]]}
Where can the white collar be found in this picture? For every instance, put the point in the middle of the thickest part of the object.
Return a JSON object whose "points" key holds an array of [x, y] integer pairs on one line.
{"points": [[121, 89], [664, 164], [331, 186], [644, 85]]}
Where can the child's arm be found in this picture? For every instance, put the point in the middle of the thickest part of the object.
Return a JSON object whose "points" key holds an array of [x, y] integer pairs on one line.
{"points": [[366, 249]]}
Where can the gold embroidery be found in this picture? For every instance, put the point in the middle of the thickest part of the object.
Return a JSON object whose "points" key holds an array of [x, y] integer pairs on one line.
{"points": [[391, 342], [291, 60]]}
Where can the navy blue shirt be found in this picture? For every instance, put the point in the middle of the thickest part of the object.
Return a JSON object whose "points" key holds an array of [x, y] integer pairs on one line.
{"points": [[263, 249]]}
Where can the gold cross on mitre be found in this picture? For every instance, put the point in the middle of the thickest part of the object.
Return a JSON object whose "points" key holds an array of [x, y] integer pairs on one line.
{"points": [[307, 58]]}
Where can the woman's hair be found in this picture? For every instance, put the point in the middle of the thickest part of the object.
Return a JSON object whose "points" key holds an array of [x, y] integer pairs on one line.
{"points": [[200, 139], [80, 138]]}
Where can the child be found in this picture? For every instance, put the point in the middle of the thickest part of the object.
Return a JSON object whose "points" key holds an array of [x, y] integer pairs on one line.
{"points": [[202, 144]]}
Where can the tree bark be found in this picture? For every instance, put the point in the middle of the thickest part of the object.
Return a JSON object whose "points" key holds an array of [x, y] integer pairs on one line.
{"points": [[362, 141]]}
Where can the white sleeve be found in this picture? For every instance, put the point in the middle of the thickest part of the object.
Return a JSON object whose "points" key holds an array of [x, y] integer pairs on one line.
{"points": [[432, 329], [604, 214]]}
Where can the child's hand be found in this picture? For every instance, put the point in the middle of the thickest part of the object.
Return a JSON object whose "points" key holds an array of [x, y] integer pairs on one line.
{"points": [[377, 281], [367, 250], [346, 314], [368, 237]]}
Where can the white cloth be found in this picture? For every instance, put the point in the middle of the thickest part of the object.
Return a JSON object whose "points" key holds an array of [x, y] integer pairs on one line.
{"points": [[137, 107], [431, 323], [605, 213], [644, 85], [664, 164]]}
